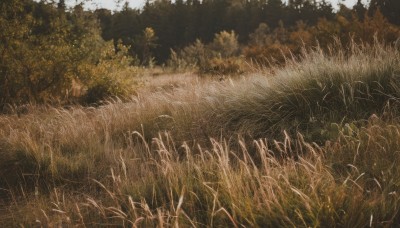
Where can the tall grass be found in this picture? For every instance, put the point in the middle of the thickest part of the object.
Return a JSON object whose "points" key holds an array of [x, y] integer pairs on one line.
{"points": [[315, 144], [319, 89]]}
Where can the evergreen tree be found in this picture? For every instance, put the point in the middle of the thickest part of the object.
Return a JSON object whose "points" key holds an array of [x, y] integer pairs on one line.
{"points": [[61, 5], [389, 8], [360, 10]]}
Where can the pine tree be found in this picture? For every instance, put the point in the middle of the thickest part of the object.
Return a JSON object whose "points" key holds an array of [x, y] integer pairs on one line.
{"points": [[61, 5], [389, 8]]}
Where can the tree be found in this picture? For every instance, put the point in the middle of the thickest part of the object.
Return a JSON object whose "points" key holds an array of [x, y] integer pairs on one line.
{"points": [[274, 11], [389, 8], [225, 44], [360, 10], [43, 50], [146, 43], [61, 5], [261, 36]]}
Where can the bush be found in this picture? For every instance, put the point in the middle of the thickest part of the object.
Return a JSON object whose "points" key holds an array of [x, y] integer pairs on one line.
{"points": [[217, 57], [224, 66], [191, 56], [225, 44], [44, 54], [113, 76]]}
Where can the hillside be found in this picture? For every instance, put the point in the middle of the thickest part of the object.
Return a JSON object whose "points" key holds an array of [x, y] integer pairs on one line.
{"points": [[313, 143]]}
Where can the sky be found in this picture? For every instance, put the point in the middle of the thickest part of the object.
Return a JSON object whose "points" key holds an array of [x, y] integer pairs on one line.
{"points": [[110, 4]]}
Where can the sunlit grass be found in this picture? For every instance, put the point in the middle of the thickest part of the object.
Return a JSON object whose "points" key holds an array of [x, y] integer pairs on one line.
{"points": [[315, 144]]}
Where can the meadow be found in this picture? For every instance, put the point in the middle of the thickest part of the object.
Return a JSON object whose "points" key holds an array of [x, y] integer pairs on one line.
{"points": [[313, 143]]}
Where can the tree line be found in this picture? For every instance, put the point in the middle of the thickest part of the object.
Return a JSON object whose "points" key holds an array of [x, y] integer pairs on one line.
{"points": [[50, 52], [179, 23]]}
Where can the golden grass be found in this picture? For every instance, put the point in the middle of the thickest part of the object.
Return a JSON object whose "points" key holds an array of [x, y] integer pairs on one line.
{"points": [[200, 152]]}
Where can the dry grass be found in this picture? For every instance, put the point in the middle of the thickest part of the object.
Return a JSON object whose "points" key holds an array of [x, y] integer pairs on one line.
{"points": [[283, 150]]}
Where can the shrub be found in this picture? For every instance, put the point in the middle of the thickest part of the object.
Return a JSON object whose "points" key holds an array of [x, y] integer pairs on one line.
{"points": [[225, 44], [43, 54], [113, 76], [217, 57], [224, 66], [268, 48], [190, 57]]}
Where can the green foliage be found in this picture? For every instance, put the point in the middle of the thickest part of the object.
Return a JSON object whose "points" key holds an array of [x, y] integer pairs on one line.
{"points": [[179, 23], [45, 50], [223, 55], [268, 48], [113, 76], [224, 66], [261, 36], [190, 56], [146, 43], [225, 44], [217, 57]]}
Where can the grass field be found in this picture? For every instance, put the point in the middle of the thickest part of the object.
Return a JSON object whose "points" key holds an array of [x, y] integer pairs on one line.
{"points": [[316, 143]]}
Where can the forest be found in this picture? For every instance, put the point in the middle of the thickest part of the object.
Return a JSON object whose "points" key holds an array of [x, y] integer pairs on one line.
{"points": [[200, 113]]}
